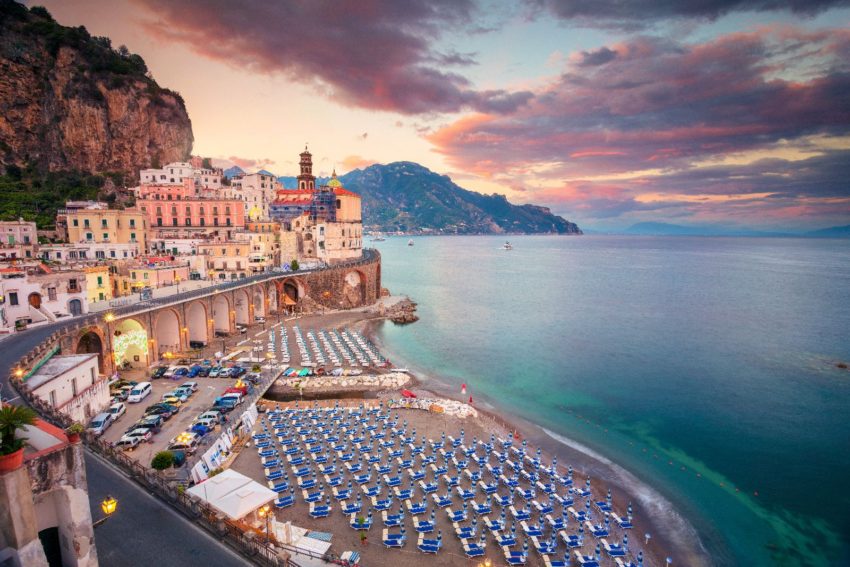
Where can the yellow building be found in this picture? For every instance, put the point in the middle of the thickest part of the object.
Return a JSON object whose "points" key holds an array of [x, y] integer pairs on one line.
{"points": [[153, 273], [98, 283], [112, 226], [226, 260]]}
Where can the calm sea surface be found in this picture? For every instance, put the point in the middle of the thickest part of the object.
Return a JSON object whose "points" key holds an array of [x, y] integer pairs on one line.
{"points": [[710, 362]]}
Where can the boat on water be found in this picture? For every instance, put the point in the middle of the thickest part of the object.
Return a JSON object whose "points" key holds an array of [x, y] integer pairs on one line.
{"points": [[507, 246], [378, 238], [410, 242]]}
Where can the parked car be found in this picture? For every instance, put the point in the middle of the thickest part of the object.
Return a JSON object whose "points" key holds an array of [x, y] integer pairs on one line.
{"points": [[191, 385], [152, 422], [140, 432], [121, 394], [100, 423], [242, 329], [117, 410], [172, 400], [163, 409], [183, 394], [260, 319], [215, 371], [204, 371], [180, 371], [237, 371], [194, 371], [139, 392], [253, 378], [127, 443], [187, 442], [197, 344], [209, 419], [200, 428], [159, 372]]}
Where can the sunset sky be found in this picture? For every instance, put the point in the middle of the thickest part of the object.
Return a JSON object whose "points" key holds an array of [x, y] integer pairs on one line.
{"points": [[727, 112]]}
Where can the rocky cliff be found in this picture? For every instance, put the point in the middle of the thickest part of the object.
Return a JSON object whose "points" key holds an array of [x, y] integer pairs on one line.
{"points": [[69, 101]]}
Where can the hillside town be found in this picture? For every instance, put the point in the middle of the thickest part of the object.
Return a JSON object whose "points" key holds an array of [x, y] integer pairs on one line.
{"points": [[189, 226]]}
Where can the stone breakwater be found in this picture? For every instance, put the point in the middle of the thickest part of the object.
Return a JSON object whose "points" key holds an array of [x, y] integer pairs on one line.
{"points": [[435, 405], [387, 381]]}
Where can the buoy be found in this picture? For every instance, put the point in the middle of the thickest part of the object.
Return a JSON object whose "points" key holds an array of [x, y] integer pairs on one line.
{"points": [[463, 388]]}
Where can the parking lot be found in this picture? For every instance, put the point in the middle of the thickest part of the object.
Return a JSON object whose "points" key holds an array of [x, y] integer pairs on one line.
{"points": [[202, 400]]}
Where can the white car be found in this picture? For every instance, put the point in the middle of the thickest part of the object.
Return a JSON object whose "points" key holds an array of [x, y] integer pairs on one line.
{"points": [[117, 410], [191, 385], [260, 319]]}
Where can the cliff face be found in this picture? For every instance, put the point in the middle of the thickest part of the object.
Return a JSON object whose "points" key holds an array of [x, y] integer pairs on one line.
{"points": [[69, 101]]}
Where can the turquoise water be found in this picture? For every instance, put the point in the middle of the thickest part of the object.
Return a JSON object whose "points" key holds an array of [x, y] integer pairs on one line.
{"points": [[706, 366]]}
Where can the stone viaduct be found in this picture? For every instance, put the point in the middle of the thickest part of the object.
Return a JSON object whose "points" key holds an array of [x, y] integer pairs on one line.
{"points": [[140, 334]]}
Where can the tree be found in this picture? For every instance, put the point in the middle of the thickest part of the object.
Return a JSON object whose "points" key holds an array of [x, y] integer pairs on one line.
{"points": [[13, 418], [162, 460], [294, 265], [206, 163]]}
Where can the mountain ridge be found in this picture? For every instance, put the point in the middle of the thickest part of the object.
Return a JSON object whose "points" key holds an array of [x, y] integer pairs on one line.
{"points": [[408, 197]]}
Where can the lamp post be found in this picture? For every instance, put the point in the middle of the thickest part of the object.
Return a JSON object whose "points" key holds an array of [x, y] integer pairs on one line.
{"points": [[108, 506], [265, 512], [177, 279]]}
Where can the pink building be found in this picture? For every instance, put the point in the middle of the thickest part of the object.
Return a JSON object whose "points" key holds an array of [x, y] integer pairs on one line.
{"points": [[192, 213]]}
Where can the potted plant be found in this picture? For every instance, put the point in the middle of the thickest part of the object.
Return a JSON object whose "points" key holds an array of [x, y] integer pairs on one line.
{"points": [[13, 418], [74, 430]]}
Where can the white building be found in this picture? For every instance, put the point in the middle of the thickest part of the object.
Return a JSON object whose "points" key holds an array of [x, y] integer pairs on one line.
{"points": [[18, 239], [257, 190], [174, 173], [72, 385], [37, 295], [65, 253]]}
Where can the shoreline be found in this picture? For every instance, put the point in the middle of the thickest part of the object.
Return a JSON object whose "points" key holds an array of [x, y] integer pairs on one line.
{"points": [[684, 545]]}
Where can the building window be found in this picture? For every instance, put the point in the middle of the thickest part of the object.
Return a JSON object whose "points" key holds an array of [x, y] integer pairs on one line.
{"points": [[174, 222], [93, 376], [112, 253], [51, 293], [76, 222], [104, 223], [99, 254], [106, 236], [89, 236], [74, 387], [53, 398], [203, 222], [13, 298], [133, 223], [188, 222], [83, 254], [86, 223]]}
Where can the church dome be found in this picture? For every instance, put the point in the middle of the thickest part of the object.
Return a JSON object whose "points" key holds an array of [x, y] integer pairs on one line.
{"points": [[334, 182]]}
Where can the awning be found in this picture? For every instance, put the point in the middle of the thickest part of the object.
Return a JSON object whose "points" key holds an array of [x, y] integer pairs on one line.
{"points": [[288, 300], [233, 494]]}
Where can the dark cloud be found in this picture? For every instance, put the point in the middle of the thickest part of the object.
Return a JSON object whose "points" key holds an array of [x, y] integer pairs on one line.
{"points": [[659, 104], [599, 57], [374, 55], [637, 13]]}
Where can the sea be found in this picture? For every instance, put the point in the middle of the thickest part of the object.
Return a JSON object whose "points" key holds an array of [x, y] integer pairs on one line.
{"points": [[707, 367]]}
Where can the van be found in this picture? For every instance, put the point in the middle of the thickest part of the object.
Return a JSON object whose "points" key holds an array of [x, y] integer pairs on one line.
{"points": [[139, 392], [100, 423], [187, 442]]}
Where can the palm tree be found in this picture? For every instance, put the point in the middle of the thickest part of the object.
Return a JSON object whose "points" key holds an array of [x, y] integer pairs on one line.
{"points": [[13, 418]]}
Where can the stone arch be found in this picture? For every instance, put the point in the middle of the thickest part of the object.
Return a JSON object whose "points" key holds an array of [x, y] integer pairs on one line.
{"points": [[291, 293], [241, 308], [196, 322], [167, 331], [92, 341], [354, 289], [130, 344], [259, 298], [221, 313]]}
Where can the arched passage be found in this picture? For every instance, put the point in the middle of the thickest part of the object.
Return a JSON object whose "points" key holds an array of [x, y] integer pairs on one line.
{"points": [[241, 307], [196, 321], [221, 314], [91, 343], [167, 331], [259, 302], [130, 345], [292, 292]]}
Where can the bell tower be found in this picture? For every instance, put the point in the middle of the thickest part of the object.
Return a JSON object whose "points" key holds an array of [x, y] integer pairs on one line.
{"points": [[306, 180]]}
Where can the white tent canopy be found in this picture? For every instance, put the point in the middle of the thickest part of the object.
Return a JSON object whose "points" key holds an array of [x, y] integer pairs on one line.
{"points": [[233, 494]]}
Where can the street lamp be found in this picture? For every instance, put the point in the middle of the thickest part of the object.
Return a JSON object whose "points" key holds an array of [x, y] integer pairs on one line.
{"points": [[109, 317], [108, 506], [265, 512], [177, 279]]}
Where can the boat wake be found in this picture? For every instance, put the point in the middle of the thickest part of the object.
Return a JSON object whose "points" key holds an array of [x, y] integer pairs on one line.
{"points": [[655, 506]]}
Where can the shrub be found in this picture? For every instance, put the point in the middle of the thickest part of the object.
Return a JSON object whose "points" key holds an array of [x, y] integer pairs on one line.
{"points": [[162, 460]]}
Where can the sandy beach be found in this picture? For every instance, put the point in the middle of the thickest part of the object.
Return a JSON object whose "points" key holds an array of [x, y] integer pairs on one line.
{"points": [[671, 534]]}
